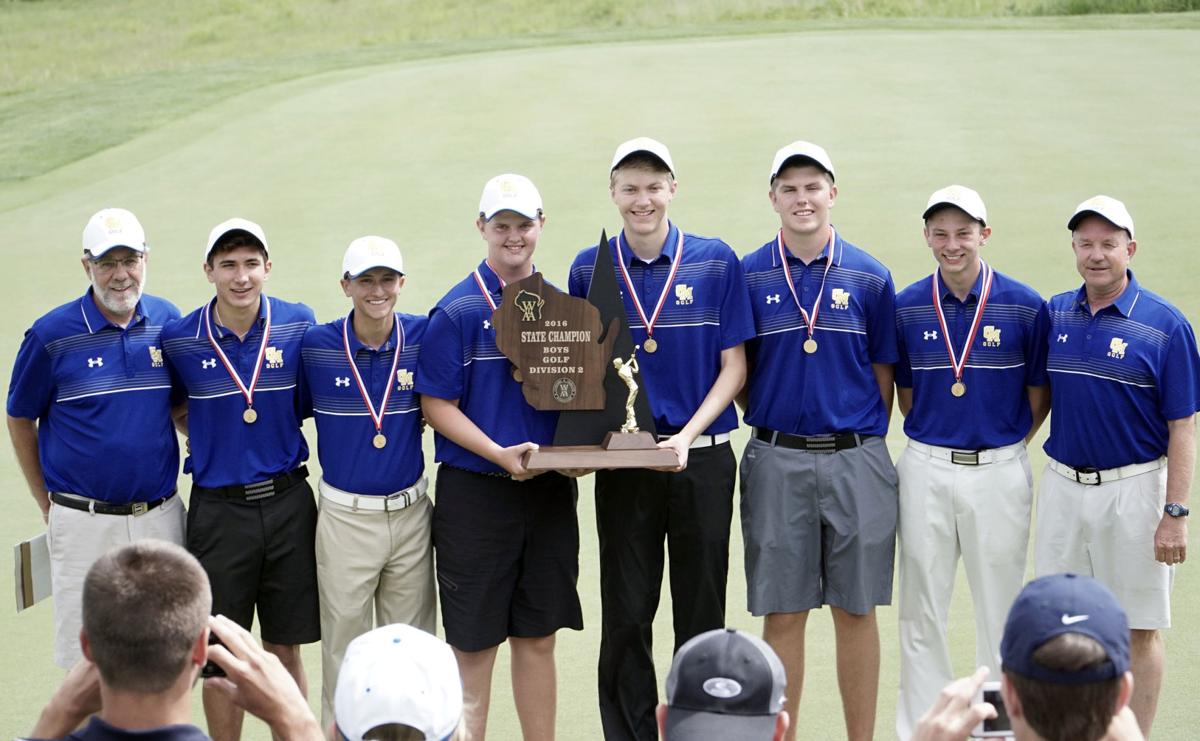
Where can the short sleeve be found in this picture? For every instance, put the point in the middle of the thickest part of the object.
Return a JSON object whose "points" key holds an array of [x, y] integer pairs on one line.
{"points": [[440, 362], [32, 386]]}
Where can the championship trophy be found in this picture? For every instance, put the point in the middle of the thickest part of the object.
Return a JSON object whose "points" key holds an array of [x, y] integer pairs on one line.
{"points": [[563, 350]]}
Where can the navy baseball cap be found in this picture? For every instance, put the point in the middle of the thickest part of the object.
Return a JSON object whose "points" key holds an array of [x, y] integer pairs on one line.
{"points": [[724, 685], [1065, 603]]}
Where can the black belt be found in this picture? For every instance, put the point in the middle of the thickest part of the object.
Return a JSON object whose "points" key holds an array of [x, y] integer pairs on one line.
{"points": [[259, 490], [816, 444], [73, 501]]}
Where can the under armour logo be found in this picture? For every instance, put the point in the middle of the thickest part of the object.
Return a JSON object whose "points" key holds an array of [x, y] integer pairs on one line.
{"points": [[94, 362], [1062, 338], [487, 324], [343, 381], [931, 335], [210, 363], [773, 298]]}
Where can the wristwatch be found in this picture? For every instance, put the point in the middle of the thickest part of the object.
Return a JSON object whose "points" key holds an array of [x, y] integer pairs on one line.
{"points": [[1175, 509]]}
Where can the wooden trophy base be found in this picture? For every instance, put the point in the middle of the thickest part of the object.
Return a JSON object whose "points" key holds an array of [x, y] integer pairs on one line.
{"points": [[619, 450]]}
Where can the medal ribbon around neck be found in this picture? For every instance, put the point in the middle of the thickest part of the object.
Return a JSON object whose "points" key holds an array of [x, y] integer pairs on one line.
{"points": [[662, 297], [960, 363], [247, 391], [483, 286], [810, 321], [398, 344]]}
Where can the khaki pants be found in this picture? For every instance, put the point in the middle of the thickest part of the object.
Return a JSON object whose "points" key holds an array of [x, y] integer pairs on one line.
{"points": [[373, 568], [76, 539]]}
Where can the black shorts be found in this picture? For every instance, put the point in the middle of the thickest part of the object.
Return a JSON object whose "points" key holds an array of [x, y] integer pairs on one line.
{"points": [[260, 554], [507, 557]]}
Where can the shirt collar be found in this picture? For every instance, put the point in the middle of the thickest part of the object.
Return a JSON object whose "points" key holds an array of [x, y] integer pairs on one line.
{"points": [[222, 330], [490, 279], [356, 345], [976, 288], [838, 248], [95, 319], [669, 247], [1123, 304]]}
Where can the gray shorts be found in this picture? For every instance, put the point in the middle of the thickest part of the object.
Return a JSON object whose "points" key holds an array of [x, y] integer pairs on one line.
{"points": [[819, 528]]}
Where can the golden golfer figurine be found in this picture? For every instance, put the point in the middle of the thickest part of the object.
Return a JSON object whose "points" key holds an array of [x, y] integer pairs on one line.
{"points": [[625, 371]]}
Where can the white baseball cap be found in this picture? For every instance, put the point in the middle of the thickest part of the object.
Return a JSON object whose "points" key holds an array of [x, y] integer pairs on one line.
{"points": [[113, 227], [961, 197], [233, 225], [365, 253], [643, 144], [802, 149], [510, 192], [1105, 207], [398, 674]]}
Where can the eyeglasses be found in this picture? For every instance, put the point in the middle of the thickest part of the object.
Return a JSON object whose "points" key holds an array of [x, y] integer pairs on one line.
{"points": [[109, 265]]}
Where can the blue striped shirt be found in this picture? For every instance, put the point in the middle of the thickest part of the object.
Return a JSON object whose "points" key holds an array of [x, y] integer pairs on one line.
{"points": [[345, 430], [1117, 377], [225, 450], [100, 393]]}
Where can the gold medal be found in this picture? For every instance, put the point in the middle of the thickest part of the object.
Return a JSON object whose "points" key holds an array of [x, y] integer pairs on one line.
{"points": [[516, 374], [650, 345], [810, 346], [959, 388], [249, 416], [379, 441]]}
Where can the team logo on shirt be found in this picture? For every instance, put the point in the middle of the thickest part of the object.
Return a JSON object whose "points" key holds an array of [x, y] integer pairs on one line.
{"points": [[96, 362], [1116, 348], [991, 336], [931, 334], [274, 357], [683, 294], [530, 305], [404, 379], [841, 299], [156, 360], [210, 363], [341, 381], [773, 298]]}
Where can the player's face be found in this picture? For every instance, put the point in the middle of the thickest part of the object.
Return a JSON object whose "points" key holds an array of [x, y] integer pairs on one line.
{"points": [[374, 292], [238, 276], [802, 196], [511, 239], [955, 239], [1102, 254], [642, 196], [117, 279]]}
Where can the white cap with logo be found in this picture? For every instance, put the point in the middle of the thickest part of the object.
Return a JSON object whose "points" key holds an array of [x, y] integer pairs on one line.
{"points": [[960, 197], [234, 225], [113, 227], [398, 674], [643, 144], [805, 149], [1105, 207], [509, 192], [365, 253]]}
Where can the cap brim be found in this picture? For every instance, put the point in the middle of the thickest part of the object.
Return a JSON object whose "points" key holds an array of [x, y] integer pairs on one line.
{"points": [[802, 160], [947, 204], [697, 725], [655, 155], [103, 247], [1074, 222], [372, 267]]}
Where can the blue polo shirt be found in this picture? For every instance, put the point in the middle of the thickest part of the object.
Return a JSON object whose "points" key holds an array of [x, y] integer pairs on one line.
{"points": [[834, 389], [706, 312], [459, 360], [345, 430], [1008, 354], [225, 450], [97, 730], [100, 393], [1117, 377]]}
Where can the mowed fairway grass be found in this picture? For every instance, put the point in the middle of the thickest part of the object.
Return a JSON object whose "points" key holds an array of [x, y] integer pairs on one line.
{"points": [[1035, 119]]}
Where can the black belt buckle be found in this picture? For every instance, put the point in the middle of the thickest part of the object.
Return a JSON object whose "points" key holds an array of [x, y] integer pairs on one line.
{"points": [[260, 490], [822, 444], [1087, 472], [965, 457]]}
